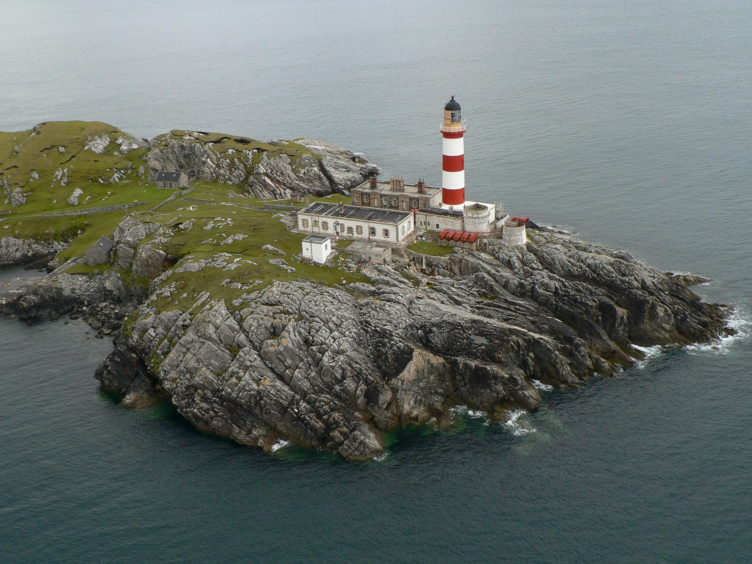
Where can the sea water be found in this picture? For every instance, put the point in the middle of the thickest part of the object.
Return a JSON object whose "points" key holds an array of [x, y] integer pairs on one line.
{"points": [[625, 122]]}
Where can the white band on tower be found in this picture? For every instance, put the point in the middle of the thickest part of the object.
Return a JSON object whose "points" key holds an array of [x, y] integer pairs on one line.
{"points": [[452, 180], [453, 147]]}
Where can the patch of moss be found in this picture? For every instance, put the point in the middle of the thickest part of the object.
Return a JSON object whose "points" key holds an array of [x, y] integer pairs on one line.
{"points": [[428, 248]]}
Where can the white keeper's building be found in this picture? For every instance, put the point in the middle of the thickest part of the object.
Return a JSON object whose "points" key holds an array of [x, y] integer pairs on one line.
{"points": [[356, 222]]}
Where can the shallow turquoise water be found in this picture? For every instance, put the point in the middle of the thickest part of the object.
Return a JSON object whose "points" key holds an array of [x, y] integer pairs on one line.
{"points": [[627, 122]]}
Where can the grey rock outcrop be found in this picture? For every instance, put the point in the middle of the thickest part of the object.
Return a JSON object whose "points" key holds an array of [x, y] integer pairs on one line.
{"points": [[97, 143], [127, 237], [334, 368], [22, 251], [15, 196], [328, 169], [75, 196]]}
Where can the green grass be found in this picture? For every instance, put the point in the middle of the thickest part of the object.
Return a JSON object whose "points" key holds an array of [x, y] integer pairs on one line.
{"points": [[261, 228], [39, 155], [428, 248], [334, 198], [36, 151]]}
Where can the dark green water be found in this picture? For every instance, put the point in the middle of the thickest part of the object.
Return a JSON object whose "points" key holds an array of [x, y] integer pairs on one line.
{"points": [[627, 122]]}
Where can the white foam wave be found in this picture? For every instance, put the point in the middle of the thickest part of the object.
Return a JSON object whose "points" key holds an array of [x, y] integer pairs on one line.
{"points": [[281, 443], [517, 425], [649, 352], [740, 322], [561, 228], [470, 413], [542, 387], [382, 457]]}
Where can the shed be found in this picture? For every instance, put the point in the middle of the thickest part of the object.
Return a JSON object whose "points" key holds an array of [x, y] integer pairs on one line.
{"points": [[165, 179], [317, 248], [100, 252]]}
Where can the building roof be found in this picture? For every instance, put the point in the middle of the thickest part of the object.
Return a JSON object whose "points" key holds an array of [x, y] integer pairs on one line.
{"points": [[385, 188], [168, 176], [452, 105], [441, 211], [355, 212], [105, 243], [316, 239]]}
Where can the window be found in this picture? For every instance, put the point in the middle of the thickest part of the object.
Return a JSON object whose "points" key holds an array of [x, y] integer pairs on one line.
{"points": [[372, 231], [304, 223], [437, 226], [349, 230], [359, 229], [325, 226], [386, 234], [316, 223]]}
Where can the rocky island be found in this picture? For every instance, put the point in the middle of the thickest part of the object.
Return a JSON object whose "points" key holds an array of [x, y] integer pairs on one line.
{"points": [[213, 308]]}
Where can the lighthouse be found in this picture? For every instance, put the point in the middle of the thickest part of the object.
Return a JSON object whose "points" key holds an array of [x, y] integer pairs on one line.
{"points": [[453, 151]]}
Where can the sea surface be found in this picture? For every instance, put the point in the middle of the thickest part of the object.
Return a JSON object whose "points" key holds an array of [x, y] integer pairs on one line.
{"points": [[624, 121]]}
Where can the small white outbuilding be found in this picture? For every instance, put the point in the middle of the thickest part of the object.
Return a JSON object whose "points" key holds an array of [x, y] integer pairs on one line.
{"points": [[317, 248]]}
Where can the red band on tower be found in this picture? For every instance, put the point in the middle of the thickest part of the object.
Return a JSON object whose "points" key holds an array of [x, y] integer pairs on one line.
{"points": [[454, 164], [453, 197]]}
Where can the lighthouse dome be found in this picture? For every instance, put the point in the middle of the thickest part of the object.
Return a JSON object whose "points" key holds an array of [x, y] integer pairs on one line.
{"points": [[452, 105]]}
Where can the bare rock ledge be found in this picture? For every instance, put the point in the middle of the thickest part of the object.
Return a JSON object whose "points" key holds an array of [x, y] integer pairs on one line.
{"points": [[336, 367]]}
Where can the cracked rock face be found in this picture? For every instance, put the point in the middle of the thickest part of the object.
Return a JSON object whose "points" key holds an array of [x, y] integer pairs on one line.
{"points": [[330, 169], [336, 367]]}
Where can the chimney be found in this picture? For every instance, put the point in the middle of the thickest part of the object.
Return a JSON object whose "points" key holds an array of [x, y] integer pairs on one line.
{"points": [[372, 182], [421, 186]]}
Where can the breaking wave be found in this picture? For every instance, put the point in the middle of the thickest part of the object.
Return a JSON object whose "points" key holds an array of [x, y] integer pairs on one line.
{"points": [[517, 425], [740, 322], [649, 352], [464, 411], [281, 443], [542, 387], [467, 412]]}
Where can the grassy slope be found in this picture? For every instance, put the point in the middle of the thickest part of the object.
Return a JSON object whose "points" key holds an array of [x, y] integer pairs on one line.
{"points": [[260, 228], [36, 151]]}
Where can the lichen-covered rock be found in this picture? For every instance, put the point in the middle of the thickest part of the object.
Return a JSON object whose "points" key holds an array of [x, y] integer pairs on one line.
{"points": [[75, 196], [97, 143], [15, 196]]}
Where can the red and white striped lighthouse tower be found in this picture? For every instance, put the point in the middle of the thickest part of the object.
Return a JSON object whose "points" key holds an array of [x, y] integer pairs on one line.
{"points": [[453, 150]]}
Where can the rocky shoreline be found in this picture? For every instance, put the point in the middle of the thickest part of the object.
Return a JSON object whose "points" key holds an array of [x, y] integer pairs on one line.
{"points": [[335, 367], [213, 309]]}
